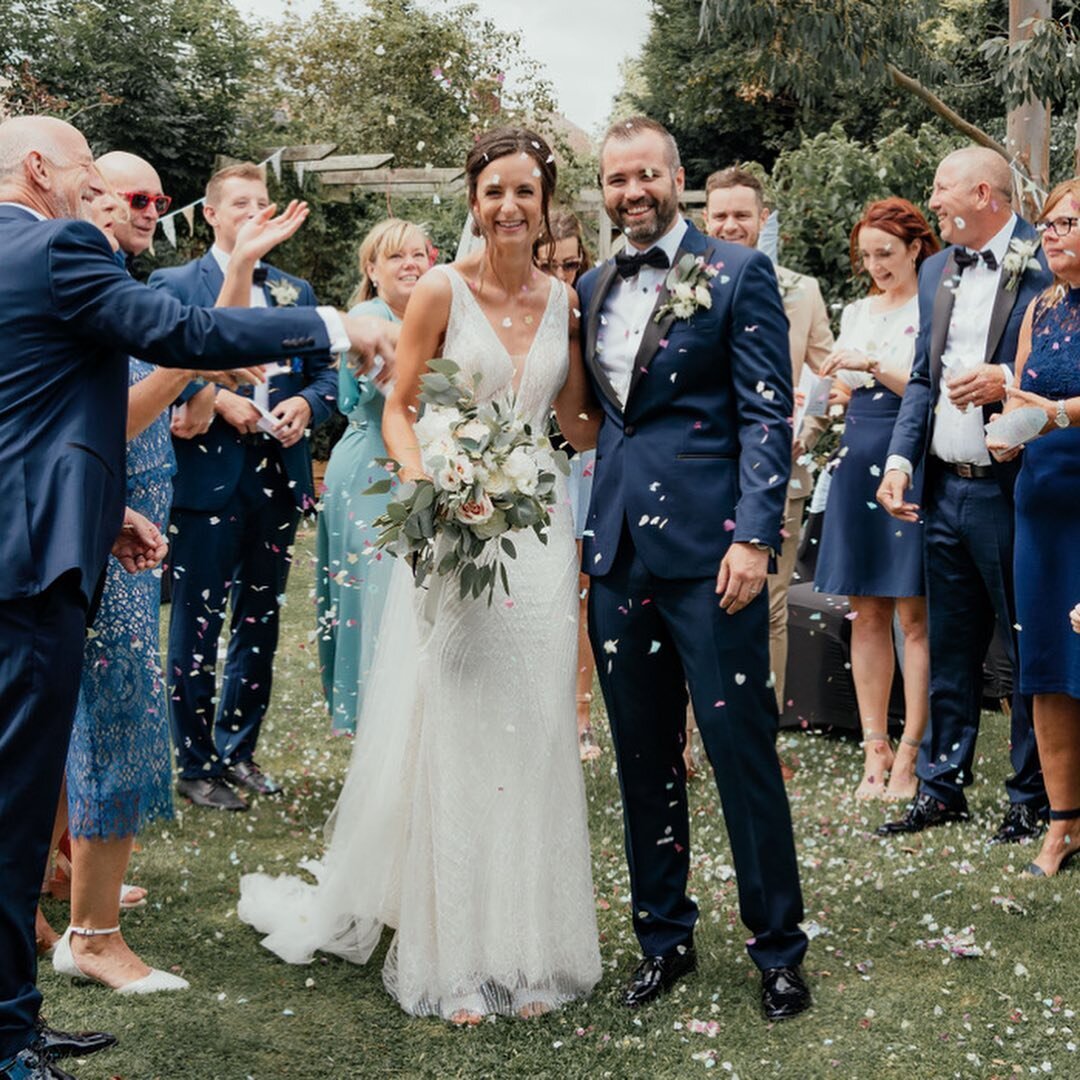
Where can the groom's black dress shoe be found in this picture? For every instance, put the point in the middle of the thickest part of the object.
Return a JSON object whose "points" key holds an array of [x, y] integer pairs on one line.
{"points": [[33, 1063], [655, 974], [211, 791], [61, 1044], [247, 774], [1021, 823], [924, 813], [783, 993]]}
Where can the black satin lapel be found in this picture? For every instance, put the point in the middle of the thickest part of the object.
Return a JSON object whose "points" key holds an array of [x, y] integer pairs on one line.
{"points": [[655, 332], [939, 324], [999, 317], [592, 332]]}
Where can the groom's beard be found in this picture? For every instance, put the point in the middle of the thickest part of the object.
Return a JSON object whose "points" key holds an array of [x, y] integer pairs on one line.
{"points": [[647, 229]]}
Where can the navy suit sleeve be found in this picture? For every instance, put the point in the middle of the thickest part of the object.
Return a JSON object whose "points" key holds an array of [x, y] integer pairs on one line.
{"points": [[761, 374], [910, 431], [99, 301]]}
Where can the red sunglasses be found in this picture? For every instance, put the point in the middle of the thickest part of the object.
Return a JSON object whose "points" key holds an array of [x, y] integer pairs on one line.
{"points": [[140, 200]]}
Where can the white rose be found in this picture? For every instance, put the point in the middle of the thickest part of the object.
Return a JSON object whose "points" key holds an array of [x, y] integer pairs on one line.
{"points": [[496, 482], [703, 296], [475, 511], [475, 431], [683, 291], [436, 427], [521, 471], [455, 472]]}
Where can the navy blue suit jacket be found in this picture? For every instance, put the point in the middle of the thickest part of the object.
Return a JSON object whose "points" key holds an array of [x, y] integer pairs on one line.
{"points": [[209, 466], [70, 318], [701, 454], [914, 426]]}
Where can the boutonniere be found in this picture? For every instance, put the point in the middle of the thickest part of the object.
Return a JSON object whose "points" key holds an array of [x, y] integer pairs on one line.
{"points": [[285, 293], [1018, 260], [687, 284]]}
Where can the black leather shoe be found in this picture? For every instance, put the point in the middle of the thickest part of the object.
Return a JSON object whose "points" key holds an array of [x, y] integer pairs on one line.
{"points": [[33, 1063], [61, 1044], [212, 792], [924, 813], [247, 774], [656, 974], [783, 993], [1020, 823]]}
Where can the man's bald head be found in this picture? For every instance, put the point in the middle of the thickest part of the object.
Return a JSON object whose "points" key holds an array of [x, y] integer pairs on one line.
{"points": [[127, 173], [46, 164], [972, 196]]}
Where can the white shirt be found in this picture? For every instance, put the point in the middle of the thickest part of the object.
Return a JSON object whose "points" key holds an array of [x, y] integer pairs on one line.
{"points": [[627, 310], [335, 328], [958, 436]]}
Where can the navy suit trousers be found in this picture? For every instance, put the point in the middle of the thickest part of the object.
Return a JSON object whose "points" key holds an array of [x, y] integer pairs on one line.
{"points": [[238, 557], [41, 644], [969, 591], [667, 634]]}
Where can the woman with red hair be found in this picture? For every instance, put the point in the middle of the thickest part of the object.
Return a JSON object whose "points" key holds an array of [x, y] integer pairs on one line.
{"points": [[866, 555]]}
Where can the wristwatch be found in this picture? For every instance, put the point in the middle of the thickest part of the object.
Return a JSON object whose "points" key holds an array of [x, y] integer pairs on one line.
{"points": [[1062, 417]]}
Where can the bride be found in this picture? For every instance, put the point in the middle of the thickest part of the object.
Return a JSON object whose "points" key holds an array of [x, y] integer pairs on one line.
{"points": [[462, 822]]}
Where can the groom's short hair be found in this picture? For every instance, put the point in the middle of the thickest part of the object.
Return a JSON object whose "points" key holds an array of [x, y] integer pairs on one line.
{"points": [[631, 127], [245, 170], [735, 176]]}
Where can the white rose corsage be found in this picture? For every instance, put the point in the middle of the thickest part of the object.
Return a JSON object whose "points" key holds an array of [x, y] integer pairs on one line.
{"points": [[687, 283], [1018, 260], [285, 293]]}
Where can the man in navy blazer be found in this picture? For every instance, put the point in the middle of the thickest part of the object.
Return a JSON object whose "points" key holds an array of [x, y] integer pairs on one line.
{"points": [[972, 299], [71, 316], [237, 498], [692, 465]]}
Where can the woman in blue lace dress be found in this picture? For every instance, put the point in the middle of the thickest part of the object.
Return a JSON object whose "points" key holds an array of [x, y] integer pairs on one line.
{"points": [[351, 584], [1047, 570]]}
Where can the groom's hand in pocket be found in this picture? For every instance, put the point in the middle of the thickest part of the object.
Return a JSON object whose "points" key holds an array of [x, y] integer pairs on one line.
{"points": [[742, 576]]}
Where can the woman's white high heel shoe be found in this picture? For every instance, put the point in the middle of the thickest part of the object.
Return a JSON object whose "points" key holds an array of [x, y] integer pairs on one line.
{"points": [[63, 960]]}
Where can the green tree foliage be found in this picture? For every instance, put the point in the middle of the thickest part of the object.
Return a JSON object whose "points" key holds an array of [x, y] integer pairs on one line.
{"points": [[396, 78], [163, 79]]}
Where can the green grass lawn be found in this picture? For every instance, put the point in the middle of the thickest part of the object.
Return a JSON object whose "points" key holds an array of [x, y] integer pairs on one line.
{"points": [[887, 1005]]}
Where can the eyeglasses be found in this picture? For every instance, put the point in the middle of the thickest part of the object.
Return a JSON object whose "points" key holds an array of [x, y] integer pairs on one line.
{"points": [[140, 200], [567, 266], [1060, 227]]}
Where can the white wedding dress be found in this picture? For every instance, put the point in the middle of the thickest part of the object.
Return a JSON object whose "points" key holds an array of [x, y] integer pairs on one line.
{"points": [[462, 821]]}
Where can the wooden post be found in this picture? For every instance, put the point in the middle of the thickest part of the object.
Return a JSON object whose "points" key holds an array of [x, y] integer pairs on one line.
{"points": [[1028, 127]]}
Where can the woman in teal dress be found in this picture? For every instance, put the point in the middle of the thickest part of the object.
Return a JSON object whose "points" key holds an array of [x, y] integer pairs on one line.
{"points": [[351, 583]]}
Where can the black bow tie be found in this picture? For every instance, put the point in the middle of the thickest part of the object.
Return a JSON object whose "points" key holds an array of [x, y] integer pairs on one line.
{"points": [[626, 266], [966, 259], [258, 276]]}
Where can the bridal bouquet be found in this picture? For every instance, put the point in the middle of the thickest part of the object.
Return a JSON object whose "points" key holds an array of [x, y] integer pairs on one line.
{"points": [[491, 475]]}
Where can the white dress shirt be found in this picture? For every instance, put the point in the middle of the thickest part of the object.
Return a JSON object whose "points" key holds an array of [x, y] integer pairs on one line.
{"points": [[627, 310], [958, 436]]}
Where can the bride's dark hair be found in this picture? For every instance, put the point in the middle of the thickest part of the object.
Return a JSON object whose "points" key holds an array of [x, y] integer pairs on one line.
{"points": [[504, 142]]}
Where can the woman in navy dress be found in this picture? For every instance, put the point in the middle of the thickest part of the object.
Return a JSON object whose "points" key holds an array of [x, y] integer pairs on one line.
{"points": [[864, 554], [1047, 570], [351, 582]]}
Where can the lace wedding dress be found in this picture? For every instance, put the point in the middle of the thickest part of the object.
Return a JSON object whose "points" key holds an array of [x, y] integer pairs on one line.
{"points": [[462, 822]]}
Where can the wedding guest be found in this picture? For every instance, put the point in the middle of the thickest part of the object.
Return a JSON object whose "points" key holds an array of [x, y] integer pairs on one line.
{"points": [[972, 299], [735, 211], [567, 258], [864, 554], [70, 316], [118, 770], [1048, 521], [238, 496], [351, 582]]}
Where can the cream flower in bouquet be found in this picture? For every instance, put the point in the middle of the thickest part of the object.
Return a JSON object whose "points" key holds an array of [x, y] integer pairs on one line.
{"points": [[489, 475]]}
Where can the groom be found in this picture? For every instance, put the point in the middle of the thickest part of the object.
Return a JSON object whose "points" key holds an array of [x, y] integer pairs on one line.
{"points": [[691, 474]]}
